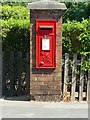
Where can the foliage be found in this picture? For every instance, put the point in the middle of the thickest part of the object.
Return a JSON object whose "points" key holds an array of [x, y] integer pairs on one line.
{"points": [[85, 65], [15, 12], [76, 37], [15, 3], [77, 11], [15, 28]]}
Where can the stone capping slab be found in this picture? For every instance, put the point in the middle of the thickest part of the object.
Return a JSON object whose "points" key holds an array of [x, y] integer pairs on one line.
{"points": [[46, 5]]}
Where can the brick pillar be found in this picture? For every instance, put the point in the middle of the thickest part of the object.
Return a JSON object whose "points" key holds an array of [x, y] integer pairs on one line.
{"points": [[45, 84]]}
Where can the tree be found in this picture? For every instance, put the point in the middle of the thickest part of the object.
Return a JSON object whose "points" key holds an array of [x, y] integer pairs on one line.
{"points": [[77, 11]]}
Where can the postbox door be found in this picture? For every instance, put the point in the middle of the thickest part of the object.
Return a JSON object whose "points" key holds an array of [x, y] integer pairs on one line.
{"points": [[45, 46]]}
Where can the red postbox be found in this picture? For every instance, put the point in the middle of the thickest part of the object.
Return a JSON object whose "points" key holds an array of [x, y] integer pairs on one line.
{"points": [[45, 43]]}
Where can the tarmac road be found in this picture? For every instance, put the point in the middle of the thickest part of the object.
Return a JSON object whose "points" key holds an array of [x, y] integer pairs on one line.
{"points": [[26, 109]]}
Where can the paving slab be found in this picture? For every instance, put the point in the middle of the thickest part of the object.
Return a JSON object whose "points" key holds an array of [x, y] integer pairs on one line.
{"points": [[32, 109]]}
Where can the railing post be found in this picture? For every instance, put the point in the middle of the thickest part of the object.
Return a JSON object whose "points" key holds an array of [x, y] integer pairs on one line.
{"points": [[27, 73], [81, 83], [0, 68], [19, 72], [88, 84], [66, 72], [12, 73], [74, 68]]}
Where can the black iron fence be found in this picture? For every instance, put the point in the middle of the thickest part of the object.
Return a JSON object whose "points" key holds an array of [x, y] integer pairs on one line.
{"points": [[15, 73]]}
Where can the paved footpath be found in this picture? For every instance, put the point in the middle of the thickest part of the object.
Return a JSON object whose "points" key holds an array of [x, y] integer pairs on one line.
{"points": [[26, 109]]}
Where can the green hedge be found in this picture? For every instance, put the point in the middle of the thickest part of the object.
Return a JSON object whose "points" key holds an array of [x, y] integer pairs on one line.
{"points": [[76, 37], [15, 28], [15, 34], [15, 12]]}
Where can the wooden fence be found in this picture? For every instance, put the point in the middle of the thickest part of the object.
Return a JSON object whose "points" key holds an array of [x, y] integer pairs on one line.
{"points": [[76, 83], [15, 73]]}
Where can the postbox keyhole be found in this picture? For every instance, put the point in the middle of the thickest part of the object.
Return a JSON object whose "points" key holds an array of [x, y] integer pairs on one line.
{"points": [[45, 36], [41, 63]]}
